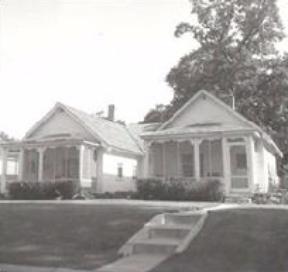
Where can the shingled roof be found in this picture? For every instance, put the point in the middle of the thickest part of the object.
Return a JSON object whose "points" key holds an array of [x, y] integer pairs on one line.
{"points": [[110, 134]]}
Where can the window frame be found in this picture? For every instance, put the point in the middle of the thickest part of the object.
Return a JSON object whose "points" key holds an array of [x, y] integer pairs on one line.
{"points": [[120, 172]]}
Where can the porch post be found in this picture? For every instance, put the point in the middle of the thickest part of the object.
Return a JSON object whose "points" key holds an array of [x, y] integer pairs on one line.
{"points": [[196, 144], [81, 161], [99, 170], [66, 158], [178, 159], [164, 159], [250, 162], [263, 175], [226, 165], [20, 164], [146, 159], [41, 151], [4, 170]]}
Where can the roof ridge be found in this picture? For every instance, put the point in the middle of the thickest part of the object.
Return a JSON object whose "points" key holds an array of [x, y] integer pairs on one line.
{"points": [[104, 124], [94, 116]]}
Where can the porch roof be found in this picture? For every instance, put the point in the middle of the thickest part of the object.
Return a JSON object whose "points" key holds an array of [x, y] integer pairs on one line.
{"points": [[195, 130], [209, 130], [58, 142]]}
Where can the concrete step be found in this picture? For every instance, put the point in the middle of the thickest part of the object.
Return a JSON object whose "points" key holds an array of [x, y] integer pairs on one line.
{"points": [[168, 231], [241, 198], [134, 263], [155, 246], [182, 218]]}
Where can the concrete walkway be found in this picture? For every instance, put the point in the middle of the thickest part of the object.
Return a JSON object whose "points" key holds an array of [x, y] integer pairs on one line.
{"points": [[160, 238]]}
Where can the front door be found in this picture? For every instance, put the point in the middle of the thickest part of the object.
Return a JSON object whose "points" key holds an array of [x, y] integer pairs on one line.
{"points": [[239, 168]]}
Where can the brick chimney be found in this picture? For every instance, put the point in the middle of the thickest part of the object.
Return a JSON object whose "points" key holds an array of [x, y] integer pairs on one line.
{"points": [[111, 112]]}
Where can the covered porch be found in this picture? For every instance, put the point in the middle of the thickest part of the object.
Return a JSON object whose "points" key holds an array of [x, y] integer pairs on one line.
{"points": [[229, 159], [53, 160]]}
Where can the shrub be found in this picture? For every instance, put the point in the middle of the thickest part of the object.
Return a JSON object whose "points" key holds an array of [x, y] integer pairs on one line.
{"points": [[179, 189], [150, 189], [42, 190], [66, 189]]}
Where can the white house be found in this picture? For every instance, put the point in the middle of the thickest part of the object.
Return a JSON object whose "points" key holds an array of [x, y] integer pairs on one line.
{"points": [[205, 139], [68, 144]]}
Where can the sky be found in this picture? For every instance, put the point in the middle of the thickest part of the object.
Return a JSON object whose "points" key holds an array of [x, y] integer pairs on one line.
{"points": [[88, 54]]}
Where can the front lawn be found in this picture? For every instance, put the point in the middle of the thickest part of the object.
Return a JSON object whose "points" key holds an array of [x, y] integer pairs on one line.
{"points": [[250, 240], [67, 235]]}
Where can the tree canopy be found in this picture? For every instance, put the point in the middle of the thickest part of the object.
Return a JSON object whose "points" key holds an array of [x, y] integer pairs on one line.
{"points": [[5, 137], [236, 56]]}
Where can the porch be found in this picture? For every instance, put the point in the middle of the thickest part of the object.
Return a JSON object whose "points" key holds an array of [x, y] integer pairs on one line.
{"points": [[52, 161], [228, 159]]}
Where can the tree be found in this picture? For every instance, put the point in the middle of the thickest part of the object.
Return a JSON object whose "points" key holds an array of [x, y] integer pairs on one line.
{"points": [[5, 137], [236, 56], [157, 114]]}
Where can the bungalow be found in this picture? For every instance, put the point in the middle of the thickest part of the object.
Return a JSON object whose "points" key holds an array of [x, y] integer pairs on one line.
{"points": [[68, 144], [205, 139]]}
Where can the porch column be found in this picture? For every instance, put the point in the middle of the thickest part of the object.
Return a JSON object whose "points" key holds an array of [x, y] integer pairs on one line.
{"points": [[81, 161], [20, 164], [4, 171], [146, 159], [196, 144], [41, 151], [178, 159], [66, 158], [250, 162], [99, 170], [164, 159], [226, 165], [263, 175]]}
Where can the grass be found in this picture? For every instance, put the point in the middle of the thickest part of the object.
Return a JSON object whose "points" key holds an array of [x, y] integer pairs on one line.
{"points": [[67, 235], [236, 240]]}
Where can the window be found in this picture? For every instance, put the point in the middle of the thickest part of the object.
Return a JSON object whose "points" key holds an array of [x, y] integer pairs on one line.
{"points": [[238, 160], [187, 165], [120, 170], [211, 158], [241, 161], [12, 167]]}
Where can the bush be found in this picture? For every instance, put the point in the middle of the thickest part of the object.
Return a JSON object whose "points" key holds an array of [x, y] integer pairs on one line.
{"points": [[42, 190], [179, 189]]}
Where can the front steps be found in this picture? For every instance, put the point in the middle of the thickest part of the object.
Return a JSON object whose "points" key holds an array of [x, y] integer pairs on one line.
{"points": [[238, 198], [169, 231], [155, 246], [134, 263], [161, 237]]}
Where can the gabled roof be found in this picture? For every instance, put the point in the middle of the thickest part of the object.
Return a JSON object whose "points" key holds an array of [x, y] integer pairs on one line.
{"points": [[110, 134], [217, 101], [198, 128]]}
